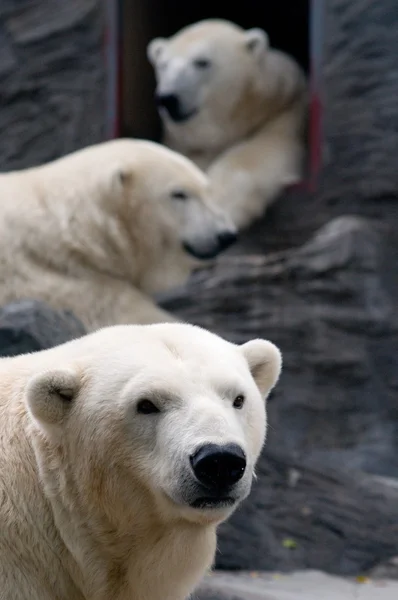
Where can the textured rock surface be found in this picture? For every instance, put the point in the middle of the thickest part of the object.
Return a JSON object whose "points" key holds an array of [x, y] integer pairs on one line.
{"points": [[329, 307], [29, 325], [309, 585], [52, 96], [300, 516], [361, 85]]}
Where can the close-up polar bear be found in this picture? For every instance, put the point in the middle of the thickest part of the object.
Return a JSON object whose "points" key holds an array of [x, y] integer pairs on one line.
{"points": [[120, 454], [102, 230], [237, 108]]}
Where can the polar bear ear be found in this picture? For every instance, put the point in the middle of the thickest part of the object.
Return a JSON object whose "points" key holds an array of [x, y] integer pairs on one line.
{"points": [[50, 395], [155, 49], [265, 363], [256, 41], [123, 176]]}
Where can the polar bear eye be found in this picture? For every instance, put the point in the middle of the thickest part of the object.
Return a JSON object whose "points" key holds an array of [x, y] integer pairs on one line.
{"points": [[179, 195], [201, 63], [239, 401], [146, 407]]}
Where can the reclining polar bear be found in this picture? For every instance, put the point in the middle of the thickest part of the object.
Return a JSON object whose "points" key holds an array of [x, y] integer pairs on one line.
{"points": [[103, 230], [236, 107]]}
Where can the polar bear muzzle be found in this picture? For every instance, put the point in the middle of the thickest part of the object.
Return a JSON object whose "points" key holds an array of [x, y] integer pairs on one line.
{"points": [[206, 250], [172, 105], [217, 469]]}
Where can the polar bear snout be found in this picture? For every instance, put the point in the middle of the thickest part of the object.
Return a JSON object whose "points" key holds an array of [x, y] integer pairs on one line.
{"points": [[226, 239], [172, 105], [218, 468], [210, 248]]}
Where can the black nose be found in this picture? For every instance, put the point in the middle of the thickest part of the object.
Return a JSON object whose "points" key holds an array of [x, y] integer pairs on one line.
{"points": [[219, 467], [226, 239], [170, 102]]}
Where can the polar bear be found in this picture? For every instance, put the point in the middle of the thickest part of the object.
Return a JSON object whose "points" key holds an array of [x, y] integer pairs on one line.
{"points": [[236, 107], [120, 453], [104, 229]]}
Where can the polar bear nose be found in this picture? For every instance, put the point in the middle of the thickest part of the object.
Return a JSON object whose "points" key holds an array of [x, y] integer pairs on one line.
{"points": [[226, 239], [170, 102], [219, 467]]}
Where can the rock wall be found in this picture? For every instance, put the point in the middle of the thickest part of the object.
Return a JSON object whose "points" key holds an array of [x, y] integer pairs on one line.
{"points": [[31, 326], [52, 97], [324, 477]]}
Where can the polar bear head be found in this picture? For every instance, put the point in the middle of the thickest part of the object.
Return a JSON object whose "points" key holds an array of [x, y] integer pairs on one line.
{"points": [[162, 199], [206, 68], [160, 422]]}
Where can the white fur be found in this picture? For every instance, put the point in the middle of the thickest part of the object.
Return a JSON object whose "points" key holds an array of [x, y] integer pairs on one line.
{"points": [[250, 102], [91, 491], [98, 231]]}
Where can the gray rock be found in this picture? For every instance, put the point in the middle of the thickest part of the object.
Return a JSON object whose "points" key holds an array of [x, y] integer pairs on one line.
{"points": [[333, 416], [361, 116], [52, 98], [300, 516], [387, 569], [29, 326], [308, 585]]}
